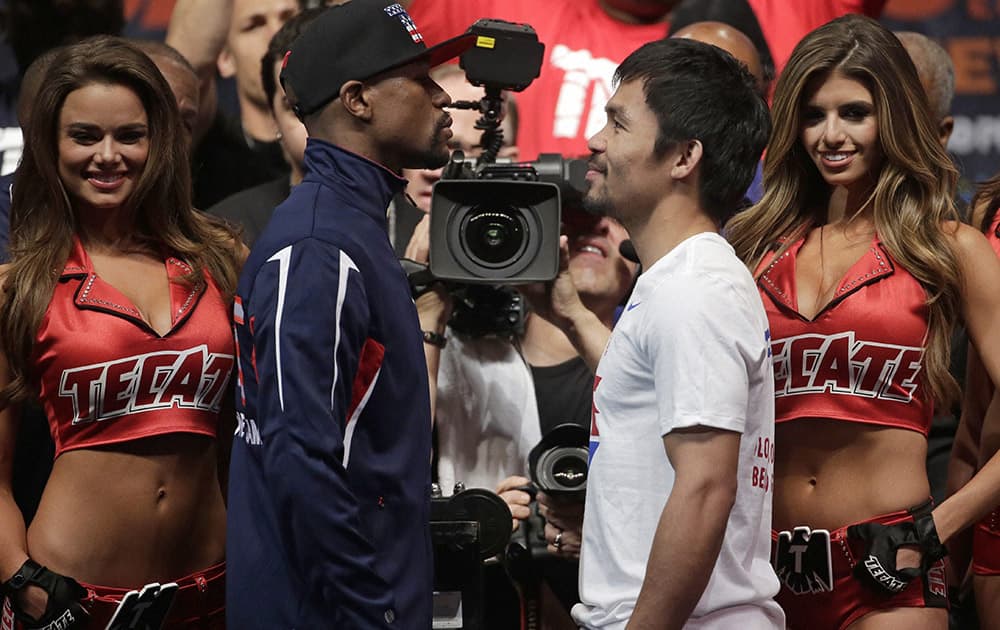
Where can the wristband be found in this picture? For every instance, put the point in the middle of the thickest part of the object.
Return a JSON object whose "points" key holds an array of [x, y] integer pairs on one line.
{"points": [[435, 339]]}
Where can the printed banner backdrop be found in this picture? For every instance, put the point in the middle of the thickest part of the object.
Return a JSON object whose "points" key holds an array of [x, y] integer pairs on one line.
{"points": [[970, 31]]}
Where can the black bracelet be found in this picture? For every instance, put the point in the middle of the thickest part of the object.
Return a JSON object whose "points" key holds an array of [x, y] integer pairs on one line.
{"points": [[435, 339]]}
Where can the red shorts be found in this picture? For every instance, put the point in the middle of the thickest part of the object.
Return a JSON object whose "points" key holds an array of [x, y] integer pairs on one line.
{"points": [[199, 604], [850, 599], [986, 545]]}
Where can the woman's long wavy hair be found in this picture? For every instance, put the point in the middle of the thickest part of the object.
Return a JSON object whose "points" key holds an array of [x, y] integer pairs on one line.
{"points": [[43, 219], [914, 192]]}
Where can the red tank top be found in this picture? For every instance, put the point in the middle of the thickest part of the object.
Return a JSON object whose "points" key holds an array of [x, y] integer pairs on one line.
{"points": [[105, 376], [861, 358]]}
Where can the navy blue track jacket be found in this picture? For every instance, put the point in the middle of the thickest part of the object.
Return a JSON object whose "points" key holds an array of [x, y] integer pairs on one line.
{"points": [[330, 474]]}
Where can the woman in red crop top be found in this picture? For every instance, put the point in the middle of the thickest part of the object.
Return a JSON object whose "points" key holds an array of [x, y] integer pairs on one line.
{"points": [[115, 312], [863, 268], [978, 440]]}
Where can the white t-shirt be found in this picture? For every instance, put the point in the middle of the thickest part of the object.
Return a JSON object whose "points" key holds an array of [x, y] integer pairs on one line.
{"points": [[691, 348], [487, 415]]}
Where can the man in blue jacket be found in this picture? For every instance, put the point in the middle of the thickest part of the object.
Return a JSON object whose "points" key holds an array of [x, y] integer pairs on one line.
{"points": [[330, 472]]}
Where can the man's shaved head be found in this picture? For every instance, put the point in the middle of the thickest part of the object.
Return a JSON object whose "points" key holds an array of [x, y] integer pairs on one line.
{"points": [[729, 39]]}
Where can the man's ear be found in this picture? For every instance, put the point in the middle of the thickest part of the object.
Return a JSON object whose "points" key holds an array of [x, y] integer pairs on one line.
{"points": [[355, 96], [686, 160], [292, 100], [226, 63]]}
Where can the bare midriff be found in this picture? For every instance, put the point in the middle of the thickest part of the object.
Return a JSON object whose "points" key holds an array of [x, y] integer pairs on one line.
{"points": [[132, 513], [832, 473]]}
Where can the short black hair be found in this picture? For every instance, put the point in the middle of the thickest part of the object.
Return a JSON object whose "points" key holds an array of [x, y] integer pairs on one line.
{"points": [[280, 43], [700, 92]]}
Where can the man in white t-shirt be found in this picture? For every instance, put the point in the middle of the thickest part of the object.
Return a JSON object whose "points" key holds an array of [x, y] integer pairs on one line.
{"points": [[678, 516]]}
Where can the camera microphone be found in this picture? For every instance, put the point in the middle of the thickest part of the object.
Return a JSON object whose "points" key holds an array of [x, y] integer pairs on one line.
{"points": [[627, 250]]}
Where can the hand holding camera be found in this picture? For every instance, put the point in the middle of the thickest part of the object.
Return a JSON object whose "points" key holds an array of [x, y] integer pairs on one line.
{"points": [[563, 524], [513, 490], [556, 301], [558, 468]]}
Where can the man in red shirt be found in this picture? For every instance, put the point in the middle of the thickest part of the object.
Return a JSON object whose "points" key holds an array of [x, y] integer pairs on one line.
{"points": [[585, 40], [785, 23]]}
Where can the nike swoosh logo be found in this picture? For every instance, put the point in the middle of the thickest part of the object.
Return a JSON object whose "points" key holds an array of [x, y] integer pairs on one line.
{"points": [[633, 305]]}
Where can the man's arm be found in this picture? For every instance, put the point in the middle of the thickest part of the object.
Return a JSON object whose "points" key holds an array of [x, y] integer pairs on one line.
{"points": [[198, 30], [964, 459], [433, 307], [309, 317], [690, 531], [980, 272]]}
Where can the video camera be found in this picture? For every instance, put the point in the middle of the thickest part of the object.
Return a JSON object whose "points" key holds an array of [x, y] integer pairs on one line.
{"points": [[467, 528], [494, 223]]}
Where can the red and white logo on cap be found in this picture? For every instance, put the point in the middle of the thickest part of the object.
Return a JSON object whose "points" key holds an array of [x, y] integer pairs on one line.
{"points": [[397, 10]]}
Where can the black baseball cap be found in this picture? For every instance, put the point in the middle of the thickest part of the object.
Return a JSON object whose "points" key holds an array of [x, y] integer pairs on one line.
{"points": [[355, 41]]}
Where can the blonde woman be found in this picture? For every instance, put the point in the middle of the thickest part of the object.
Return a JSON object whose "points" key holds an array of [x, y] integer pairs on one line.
{"points": [[864, 268]]}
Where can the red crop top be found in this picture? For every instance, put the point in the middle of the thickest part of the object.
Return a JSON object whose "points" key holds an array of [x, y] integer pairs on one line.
{"points": [[861, 358], [105, 376]]}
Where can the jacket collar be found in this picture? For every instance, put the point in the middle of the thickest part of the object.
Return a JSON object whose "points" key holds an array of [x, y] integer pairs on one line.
{"points": [[366, 185]]}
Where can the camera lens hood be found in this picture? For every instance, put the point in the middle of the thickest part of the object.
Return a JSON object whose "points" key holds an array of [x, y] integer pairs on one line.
{"points": [[483, 507], [558, 463]]}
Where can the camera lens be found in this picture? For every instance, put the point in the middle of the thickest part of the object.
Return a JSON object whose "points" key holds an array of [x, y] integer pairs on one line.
{"points": [[495, 231], [570, 471], [562, 469], [494, 236]]}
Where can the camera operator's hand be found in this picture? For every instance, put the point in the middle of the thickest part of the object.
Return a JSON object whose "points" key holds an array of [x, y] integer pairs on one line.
{"points": [[519, 501], [419, 247], [559, 303], [563, 524], [434, 305], [434, 308]]}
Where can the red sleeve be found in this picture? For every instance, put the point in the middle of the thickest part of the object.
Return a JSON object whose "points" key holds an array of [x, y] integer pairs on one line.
{"points": [[437, 20], [871, 8]]}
